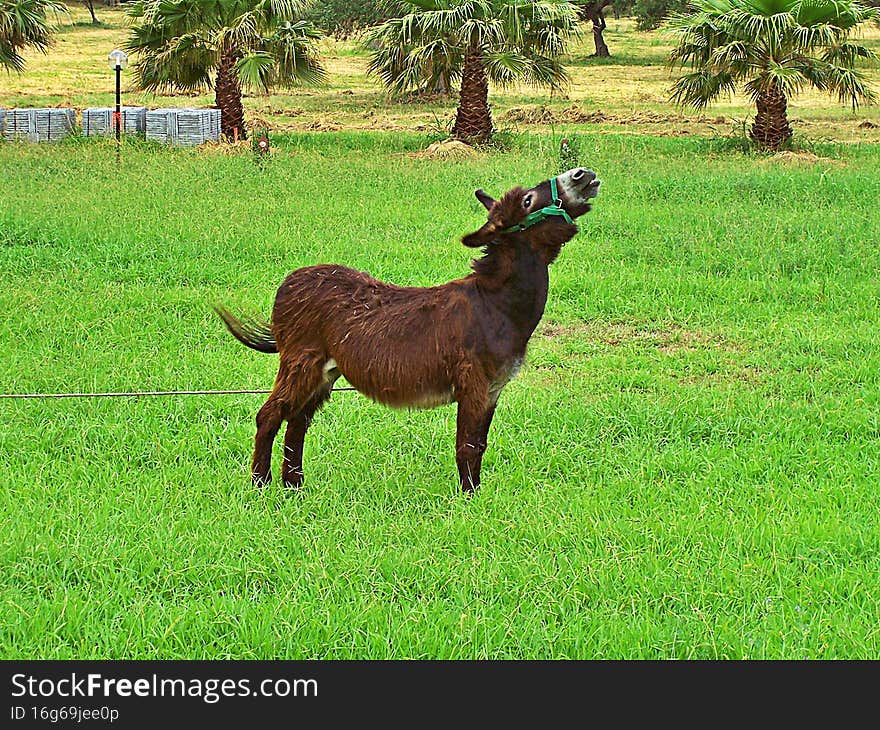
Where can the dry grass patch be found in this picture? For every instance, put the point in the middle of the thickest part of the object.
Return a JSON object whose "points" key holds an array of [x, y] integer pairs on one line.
{"points": [[697, 357], [239, 147], [575, 114], [668, 338], [803, 158], [743, 375]]}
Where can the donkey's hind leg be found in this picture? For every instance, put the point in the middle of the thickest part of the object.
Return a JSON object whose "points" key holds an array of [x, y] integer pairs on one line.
{"points": [[269, 419], [294, 437], [294, 385]]}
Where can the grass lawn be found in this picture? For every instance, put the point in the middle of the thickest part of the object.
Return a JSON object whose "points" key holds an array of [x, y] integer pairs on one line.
{"points": [[687, 466]]}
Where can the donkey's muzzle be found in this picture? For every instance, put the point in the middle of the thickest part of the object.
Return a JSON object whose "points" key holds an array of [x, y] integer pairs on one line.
{"points": [[583, 176], [580, 183]]}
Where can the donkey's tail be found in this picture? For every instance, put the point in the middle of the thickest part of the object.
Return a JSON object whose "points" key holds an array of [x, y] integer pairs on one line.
{"points": [[251, 332]]}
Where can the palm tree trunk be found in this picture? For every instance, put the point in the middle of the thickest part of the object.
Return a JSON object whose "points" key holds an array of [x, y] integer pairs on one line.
{"points": [[473, 120], [771, 129], [227, 95]]}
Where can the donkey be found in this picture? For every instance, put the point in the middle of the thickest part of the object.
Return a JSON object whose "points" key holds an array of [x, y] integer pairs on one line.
{"points": [[416, 347]]}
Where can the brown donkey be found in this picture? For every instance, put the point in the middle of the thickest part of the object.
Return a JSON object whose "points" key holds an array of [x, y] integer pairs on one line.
{"points": [[411, 346]]}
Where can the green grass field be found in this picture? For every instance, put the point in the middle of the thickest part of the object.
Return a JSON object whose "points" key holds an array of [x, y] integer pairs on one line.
{"points": [[687, 467]]}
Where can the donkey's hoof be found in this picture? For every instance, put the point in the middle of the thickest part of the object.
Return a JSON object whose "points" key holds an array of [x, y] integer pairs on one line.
{"points": [[292, 477], [261, 480]]}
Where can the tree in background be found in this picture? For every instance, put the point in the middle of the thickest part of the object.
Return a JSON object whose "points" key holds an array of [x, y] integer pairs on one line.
{"points": [[192, 45], [650, 14], [472, 42], [90, 4], [621, 8], [595, 12], [24, 24], [343, 18], [775, 48]]}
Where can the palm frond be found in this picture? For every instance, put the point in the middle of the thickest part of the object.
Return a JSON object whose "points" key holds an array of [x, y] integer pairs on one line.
{"points": [[787, 79], [255, 70], [26, 24], [180, 42], [518, 39], [847, 54], [850, 85], [294, 50], [699, 88], [507, 68]]}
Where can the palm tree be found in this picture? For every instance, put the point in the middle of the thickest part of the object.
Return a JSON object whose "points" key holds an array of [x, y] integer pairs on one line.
{"points": [[439, 42], [24, 24], [187, 44], [775, 48]]}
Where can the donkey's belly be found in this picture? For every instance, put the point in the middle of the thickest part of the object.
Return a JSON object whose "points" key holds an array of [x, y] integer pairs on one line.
{"points": [[398, 399], [400, 390], [430, 399]]}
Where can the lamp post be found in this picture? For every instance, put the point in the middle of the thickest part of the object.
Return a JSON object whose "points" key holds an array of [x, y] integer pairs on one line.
{"points": [[118, 60]]}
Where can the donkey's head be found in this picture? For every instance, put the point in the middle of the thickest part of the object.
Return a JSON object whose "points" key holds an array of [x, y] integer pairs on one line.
{"points": [[544, 214]]}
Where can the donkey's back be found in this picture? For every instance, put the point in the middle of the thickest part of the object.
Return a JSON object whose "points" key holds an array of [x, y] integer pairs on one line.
{"points": [[397, 345]]}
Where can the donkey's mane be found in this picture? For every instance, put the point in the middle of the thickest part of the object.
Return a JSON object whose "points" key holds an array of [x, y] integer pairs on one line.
{"points": [[495, 266], [497, 261], [508, 211]]}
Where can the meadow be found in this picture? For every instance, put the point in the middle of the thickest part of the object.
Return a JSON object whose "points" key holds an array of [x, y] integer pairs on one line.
{"points": [[686, 467]]}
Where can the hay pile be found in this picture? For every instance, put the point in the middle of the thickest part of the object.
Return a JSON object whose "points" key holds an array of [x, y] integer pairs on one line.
{"points": [[222, 147], [530, 115], [448, 149]]}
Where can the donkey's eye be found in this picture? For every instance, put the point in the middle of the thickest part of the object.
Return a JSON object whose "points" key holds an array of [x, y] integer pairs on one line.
{"points": [[527, 201]]}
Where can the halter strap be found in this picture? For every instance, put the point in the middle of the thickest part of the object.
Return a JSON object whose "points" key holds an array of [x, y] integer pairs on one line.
{"points": [[544, 213]]}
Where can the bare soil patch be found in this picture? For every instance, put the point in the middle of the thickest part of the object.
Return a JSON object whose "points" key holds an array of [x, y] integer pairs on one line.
{"points": [[574, 114]]}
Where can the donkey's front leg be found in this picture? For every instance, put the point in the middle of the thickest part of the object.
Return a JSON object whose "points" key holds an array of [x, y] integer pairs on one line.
{"points": [[485, 424], [470, 441]]}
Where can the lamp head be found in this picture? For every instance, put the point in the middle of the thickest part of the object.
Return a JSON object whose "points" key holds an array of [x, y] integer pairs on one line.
{"points": [[117, 59]]}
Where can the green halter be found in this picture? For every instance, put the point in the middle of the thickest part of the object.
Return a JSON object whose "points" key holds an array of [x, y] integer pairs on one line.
{"points": [[541, 215]]}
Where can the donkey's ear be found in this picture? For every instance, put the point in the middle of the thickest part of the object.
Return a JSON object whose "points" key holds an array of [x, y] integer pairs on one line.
{"points": [[484, 197], [480, 237]]}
